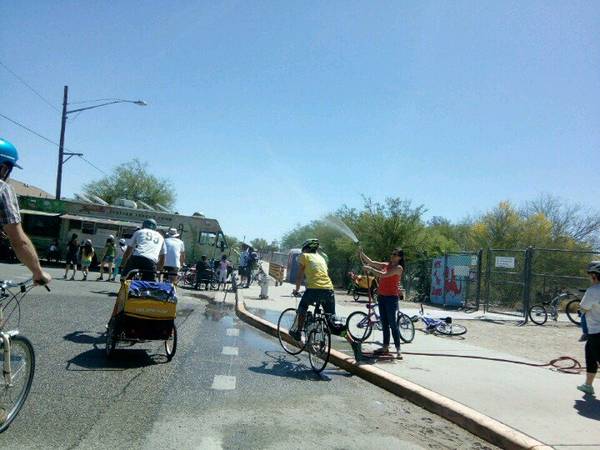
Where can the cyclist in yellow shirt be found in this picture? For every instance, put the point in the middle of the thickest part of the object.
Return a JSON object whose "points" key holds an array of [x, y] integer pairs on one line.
{"points": [[319, 288]]}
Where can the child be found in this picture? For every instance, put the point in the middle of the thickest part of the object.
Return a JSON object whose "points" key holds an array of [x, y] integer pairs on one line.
{"points": [[223, 272], [108, 258], [87, 254], [119, 259]]}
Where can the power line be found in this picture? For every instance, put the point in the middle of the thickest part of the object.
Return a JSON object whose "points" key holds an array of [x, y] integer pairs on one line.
{"points": [[29, 129], [29, 86], [50, 141]]}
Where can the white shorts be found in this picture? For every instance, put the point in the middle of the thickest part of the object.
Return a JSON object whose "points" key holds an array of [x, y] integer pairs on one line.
{"points": [[223, 276]]}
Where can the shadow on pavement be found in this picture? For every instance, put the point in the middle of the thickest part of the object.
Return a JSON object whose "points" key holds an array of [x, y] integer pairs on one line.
{"points": [[109, 293], [588, 407], [289, 366], [84, 337], [123, 359]]}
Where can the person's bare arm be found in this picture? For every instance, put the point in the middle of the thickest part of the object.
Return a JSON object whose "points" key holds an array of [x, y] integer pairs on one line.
{"points": [[299, 278], [25, 251], [370, 262], [182, 259], [161, 262]]}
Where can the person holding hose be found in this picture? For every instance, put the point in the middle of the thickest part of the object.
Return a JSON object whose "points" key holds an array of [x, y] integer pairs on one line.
{"points": [[319, 288], [590, 307], [388, 295]]}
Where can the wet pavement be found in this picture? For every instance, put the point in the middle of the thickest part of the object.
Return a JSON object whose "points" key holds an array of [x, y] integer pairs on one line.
{"points": [[228, 386]]}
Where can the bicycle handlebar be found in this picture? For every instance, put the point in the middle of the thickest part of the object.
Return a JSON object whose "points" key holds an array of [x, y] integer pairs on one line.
{"points": [[23, 284]]}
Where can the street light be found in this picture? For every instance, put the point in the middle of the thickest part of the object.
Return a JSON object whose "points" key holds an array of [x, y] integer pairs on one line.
{"points": [[65, 113]]}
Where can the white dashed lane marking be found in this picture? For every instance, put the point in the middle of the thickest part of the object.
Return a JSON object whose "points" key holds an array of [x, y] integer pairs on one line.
{"points": [[233, 332], [230, 351], [223, 383]]}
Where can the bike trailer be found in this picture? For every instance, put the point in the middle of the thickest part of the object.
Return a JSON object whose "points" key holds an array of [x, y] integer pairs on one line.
{"points": [[149, 309]]}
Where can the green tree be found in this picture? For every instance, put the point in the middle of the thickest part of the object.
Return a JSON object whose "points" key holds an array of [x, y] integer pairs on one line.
{"points": [[133, 181]]}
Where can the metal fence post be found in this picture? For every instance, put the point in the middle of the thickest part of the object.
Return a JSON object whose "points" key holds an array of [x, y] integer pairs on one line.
{"points": [[444, 276], [479, 264], [527, 281], [488, 272]]}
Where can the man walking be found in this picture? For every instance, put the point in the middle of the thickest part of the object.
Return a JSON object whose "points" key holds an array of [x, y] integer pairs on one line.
{"points": [[175, 256]]}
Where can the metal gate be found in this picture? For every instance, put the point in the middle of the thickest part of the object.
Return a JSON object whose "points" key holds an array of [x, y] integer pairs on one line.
{"points": [[506, 284]]}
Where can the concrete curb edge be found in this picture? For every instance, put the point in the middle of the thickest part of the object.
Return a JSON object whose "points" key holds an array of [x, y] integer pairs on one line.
{"points": [[473, 421]]}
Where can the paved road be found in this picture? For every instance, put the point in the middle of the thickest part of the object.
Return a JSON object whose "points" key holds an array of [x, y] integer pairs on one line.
{"points": [[229, 386]]}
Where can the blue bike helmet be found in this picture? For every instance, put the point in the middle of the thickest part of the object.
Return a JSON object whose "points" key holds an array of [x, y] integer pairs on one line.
{"points": [[8, 153]]}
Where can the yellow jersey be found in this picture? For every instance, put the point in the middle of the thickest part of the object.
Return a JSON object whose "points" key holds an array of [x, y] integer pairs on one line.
{"points": [[315, 270]]}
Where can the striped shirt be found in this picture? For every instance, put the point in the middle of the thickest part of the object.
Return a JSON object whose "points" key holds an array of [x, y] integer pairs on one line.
{"points": [[9, 206]]}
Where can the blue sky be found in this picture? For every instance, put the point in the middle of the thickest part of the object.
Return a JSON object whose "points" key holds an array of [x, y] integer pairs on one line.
{"points": [[268, 114]]}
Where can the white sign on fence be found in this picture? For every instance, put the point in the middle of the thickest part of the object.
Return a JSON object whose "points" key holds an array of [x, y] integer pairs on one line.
{"points": [[507, 262]]}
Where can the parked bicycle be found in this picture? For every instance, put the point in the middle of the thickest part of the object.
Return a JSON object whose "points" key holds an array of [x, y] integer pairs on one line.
{"points": [[538, 313], [444, 326], [317, 335], [360, 325], [16, 353]]}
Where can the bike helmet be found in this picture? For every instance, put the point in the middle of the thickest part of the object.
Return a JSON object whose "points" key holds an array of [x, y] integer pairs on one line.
{"points": [[8, 153], [122, 241], [594, 267], [310, 244], [88, 242], [150, 223]]}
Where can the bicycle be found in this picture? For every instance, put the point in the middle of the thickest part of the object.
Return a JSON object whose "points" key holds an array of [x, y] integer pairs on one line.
{"points": [[538, 313], [16, 353], [360, 325], [316, 330], [443, 326]]}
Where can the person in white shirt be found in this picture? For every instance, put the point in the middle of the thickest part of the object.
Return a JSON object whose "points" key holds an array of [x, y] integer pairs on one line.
{"points": [[223, 272], [590, 306], [175, 256], [145, 252]]}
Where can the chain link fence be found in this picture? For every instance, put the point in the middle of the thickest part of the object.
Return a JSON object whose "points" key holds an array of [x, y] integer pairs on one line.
{"points": [[505, 280]]}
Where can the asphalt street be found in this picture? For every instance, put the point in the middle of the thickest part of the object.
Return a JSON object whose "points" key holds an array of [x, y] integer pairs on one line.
{"points": [[229, 386]]}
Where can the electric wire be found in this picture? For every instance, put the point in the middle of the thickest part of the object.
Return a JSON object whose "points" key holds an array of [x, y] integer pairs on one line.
{"points": [[51, 141], [44, 99]]}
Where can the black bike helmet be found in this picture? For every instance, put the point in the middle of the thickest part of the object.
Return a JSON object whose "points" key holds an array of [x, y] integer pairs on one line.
{"points": [[150, 223], [310, 245]]}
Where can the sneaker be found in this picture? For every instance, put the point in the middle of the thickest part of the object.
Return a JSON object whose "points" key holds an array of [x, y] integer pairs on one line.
{"points": [[398, 354], [65, 277], [583, 338], [296, 335], [84, 278], [100, 278], [586, 389]]}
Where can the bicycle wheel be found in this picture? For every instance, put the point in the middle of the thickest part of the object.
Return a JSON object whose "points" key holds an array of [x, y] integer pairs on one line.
{"points": [[355, 295], [319, 346], [110, 341], [406, 327], [286, 322], [450, 329], [171, 344], [22, 361], [358, 326], [572, 310], [538, 314]]}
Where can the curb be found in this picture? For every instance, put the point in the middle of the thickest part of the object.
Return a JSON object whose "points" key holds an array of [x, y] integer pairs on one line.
{"points": [[473, 421]]}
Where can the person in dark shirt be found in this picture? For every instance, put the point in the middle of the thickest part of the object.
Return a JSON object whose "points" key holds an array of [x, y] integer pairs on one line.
{"points": [[201, 272]]}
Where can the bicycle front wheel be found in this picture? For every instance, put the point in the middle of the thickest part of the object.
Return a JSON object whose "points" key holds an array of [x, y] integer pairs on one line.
{"points": [[319, 347], [358, 326], [406, 327], [287, 322], [538, 314], [573, 311], [450, 329], [22, 362]]}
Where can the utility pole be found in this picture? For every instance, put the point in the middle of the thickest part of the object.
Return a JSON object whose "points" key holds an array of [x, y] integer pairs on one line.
{"points": [[61, 149]]}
